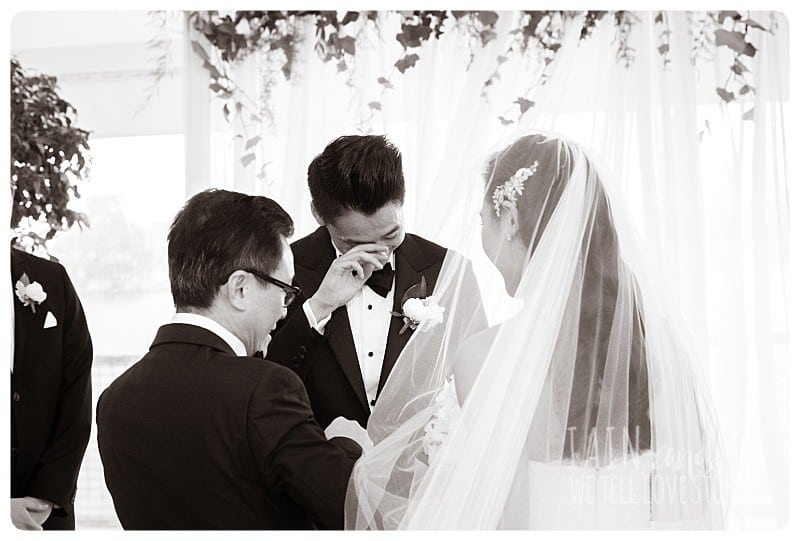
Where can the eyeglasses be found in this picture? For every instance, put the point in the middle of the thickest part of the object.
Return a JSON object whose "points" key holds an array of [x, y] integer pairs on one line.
{"points": [[290, 292]]}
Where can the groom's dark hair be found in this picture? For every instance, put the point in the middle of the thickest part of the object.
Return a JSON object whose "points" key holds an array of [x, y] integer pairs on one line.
{"points": [[218, 232], [356, 172]]}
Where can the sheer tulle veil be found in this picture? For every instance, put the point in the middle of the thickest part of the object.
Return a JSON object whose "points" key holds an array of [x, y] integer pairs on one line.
{"points": [[593, 373]]}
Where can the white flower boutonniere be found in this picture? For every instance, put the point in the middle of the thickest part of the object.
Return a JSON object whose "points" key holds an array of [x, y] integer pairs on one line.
{"points": [[423, 314], [419, 311], [29, 293]]}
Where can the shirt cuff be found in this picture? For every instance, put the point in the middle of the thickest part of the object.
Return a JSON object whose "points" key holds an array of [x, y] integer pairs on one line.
{"points": [[318, 326]]}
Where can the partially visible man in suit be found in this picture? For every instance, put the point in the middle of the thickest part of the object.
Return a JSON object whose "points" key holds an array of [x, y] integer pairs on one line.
{"points": [[354, 271], [51, 394], [199, 434]]}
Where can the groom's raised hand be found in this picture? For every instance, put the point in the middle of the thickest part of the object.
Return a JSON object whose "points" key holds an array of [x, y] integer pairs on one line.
{"points": [[346, 277]]}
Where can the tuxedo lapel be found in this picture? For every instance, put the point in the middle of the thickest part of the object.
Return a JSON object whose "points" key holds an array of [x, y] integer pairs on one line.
{"points": [[312, 261], [23, 316], [406, 275], [311, 266]]}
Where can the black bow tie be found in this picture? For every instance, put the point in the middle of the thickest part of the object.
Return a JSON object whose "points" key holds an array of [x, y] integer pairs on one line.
{"points": [[381, 281]]}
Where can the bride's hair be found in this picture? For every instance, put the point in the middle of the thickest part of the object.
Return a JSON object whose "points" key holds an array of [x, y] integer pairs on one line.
{"points": [[599, 269], [542, 190]]}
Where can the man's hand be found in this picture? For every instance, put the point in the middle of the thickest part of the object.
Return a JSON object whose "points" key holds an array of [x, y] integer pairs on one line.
{"points": [[29, 513], [346, 277], [347, 428]]}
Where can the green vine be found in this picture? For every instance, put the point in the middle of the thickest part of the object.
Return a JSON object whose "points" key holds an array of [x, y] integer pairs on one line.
{"points": [[234, 36], [733, 32], [663, 48], [159, 43]]}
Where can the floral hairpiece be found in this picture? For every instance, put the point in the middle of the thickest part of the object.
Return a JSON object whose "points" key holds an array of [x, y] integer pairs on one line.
{"points": [[513, 187]]}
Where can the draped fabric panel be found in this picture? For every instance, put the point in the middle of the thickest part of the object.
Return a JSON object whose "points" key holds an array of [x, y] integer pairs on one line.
{"points": [[705, 183]]}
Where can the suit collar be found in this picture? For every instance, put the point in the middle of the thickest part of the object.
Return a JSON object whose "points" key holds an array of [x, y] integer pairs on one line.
{"points": [[416, 258], [23, 317], [317, 251], [211, 325], [182, 333], [406, 275]]}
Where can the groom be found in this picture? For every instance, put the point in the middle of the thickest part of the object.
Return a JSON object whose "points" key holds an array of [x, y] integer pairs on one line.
{"points": [[353, 271]]}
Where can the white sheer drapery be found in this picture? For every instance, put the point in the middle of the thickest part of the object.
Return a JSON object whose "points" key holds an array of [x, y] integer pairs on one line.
{"points": [[706, 188], [713, 210]]}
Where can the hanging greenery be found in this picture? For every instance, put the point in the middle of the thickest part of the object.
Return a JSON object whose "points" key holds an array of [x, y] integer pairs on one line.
{"points": [[234, 36], [49, 156]]}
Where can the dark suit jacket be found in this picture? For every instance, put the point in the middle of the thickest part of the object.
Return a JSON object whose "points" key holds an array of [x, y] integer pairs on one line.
{"points": [[329, 368], [194, 437], [51, 394]]}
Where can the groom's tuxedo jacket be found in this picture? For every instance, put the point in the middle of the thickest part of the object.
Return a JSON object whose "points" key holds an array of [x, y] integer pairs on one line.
{"points": [[194, 437], [329, 365], [51, 396]]}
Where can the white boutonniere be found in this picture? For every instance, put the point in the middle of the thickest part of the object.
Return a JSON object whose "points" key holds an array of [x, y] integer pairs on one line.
{"points": [[29, 293], [419, 311]]}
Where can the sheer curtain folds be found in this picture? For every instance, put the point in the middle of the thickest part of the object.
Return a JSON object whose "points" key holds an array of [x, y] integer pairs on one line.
{"points": [[704, 186]]}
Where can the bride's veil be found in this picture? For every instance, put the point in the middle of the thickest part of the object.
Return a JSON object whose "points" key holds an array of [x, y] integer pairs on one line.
{"points": [[591, 373]]}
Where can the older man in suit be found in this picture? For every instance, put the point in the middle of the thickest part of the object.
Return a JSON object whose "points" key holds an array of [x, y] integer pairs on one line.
{"points": [[51, 396], [199, 434]]}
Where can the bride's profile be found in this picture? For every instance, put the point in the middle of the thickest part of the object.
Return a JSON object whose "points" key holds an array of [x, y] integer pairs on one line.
{"points": [[584, 409]]}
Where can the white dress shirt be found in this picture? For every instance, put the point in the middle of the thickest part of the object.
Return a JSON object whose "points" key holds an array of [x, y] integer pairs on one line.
{"points": [[370, 316], [210, 325]]}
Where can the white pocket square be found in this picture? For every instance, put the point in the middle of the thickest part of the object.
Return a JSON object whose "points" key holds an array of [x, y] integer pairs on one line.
{"points": [[50, 320]]}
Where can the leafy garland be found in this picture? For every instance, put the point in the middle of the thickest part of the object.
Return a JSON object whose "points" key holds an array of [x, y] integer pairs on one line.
{"points": [[736, 40], [234, 36]]}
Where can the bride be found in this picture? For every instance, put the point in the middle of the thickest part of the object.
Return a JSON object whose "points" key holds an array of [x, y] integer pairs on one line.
{"points": [[582, 410]]}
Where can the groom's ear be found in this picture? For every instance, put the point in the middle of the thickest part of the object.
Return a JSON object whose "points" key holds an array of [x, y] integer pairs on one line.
{"points": [[316, 215]]}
